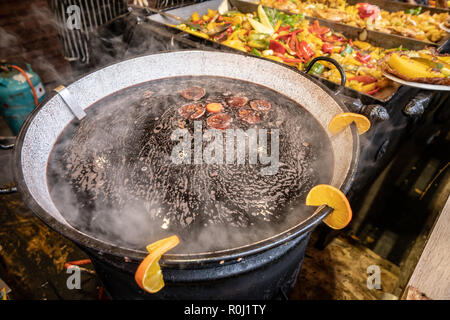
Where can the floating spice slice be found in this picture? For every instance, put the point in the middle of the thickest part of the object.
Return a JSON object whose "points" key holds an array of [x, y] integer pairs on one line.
{"points": [[324, 194], [192, 111], [194, 93], [147, 94], [237, 102], [260, 105], [214, 107], [219, 121], [250, 116], [342, 120], [149, 275]]}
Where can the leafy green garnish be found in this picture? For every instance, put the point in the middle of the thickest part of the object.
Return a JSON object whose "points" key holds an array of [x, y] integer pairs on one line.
{"points": [[413, 11], [255, 52], [286, 19], [348, 49]]}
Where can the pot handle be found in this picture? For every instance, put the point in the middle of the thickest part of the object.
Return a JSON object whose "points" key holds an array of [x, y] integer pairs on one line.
{"points": [[10, 189], [336, 64], [6, 146]]}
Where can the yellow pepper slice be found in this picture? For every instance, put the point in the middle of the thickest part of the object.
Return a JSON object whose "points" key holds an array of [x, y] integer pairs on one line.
{"points": [[411, 68], [197, 33], [212, 13], [195, 16]]}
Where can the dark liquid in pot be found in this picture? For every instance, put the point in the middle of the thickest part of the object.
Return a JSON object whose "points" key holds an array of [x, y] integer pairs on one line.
{"points": [[111, 174]]}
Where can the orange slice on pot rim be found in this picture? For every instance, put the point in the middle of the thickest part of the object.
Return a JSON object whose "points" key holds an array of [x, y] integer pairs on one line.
{"points": [[148, 275], [324, 194], [343, 120]]}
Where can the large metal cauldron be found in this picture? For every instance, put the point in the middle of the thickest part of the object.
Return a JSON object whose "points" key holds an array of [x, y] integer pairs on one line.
{"points": [[264, 269]]}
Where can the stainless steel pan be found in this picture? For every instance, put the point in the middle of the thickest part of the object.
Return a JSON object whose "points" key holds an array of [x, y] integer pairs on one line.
{"points": [[42, 129]]}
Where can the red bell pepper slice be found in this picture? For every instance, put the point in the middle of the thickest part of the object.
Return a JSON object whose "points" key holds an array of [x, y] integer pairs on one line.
{"points": [[371, 92], [285, 28], [363, 59], [289, 35], [316, 28], [304, 50], [284, 37], [293, 41], [297, 49], [336, 38], [293, 60], [287, 59], [277, 47], [364, 79], [327, 48], [288, 41], [366, 10]]}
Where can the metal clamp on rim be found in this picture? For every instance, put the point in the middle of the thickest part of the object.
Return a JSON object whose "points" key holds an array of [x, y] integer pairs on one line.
{"points": [[7, 143], [7, 190], [71, 102]]}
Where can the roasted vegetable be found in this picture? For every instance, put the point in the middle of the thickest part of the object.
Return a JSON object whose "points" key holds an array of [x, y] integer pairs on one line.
{"points": [[294, 41], [414, 23], [424, 66], [317, 68]]}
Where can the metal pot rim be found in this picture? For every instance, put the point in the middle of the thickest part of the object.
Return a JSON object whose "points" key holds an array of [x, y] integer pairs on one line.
{"points": [[177, 259]]}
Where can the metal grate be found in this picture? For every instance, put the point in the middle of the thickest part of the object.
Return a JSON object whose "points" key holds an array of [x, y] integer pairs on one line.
{"points": [[171, 4]]}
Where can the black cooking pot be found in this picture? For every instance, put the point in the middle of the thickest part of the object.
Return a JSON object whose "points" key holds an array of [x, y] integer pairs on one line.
{"points": [[265, 268]]}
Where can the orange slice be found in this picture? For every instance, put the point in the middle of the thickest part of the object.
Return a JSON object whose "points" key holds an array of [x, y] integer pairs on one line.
{"points": [[324, 194], [342, 120], [149, 275], [3, 295], [214, 107]]}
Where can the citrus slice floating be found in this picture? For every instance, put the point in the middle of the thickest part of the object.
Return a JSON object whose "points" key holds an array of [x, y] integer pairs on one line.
{"points": [[149, 275], [214, 107], [342, 120], [324, 194]]}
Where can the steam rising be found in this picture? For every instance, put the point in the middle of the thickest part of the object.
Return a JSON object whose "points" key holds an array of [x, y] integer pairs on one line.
{"points": [[106, 182], [111, 175]]}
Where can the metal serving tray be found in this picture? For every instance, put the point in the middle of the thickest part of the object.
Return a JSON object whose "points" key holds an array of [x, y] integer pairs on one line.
{"points": [[392, 6], [380, 39], [375, 38]]}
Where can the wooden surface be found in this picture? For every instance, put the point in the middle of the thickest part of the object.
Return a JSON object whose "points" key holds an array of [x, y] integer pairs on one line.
{"points": [[432, 273], [32, 256], [339, 272]]}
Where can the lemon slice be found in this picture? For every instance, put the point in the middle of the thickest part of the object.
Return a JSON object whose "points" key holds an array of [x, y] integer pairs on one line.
{"points": [[263, 18], [259, 27]]}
